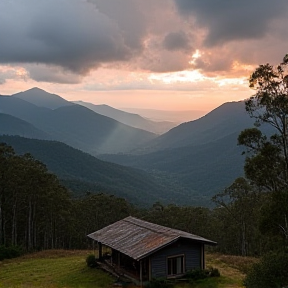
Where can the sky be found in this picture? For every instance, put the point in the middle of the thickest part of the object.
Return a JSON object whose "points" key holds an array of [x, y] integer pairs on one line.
{"points": [[157, 54]]}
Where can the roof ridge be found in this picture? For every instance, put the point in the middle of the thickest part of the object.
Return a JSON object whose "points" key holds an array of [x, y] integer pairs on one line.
{"points": [[154, 230], [179, 233]]}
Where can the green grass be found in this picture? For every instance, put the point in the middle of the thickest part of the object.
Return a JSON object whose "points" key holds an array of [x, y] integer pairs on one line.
{"points": [[68, 269], [52, 270]]}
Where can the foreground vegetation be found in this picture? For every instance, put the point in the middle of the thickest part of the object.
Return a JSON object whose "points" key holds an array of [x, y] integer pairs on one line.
{"points": [[62, 268]]}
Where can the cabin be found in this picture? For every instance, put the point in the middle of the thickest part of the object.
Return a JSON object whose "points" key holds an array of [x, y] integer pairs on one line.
{"points": [[144, 251]]}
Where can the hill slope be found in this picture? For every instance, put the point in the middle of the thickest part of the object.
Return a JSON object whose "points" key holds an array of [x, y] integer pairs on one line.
{"points": [[42, 98], [130, 119], [11, 125], [82, 172], [202, 155], [206, 168], [227, 119], [78, 126]]}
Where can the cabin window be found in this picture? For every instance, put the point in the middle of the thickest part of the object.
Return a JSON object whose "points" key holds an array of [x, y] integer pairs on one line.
{"points": [[175, 265]]}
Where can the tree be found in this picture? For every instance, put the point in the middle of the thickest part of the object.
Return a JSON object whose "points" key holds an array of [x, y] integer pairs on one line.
{"points": [[267, 162], [33, 204], [270, 103], [240, 201]]}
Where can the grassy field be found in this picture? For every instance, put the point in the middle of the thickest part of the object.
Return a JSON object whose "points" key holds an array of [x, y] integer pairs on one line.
{"points": [[67, 269]]}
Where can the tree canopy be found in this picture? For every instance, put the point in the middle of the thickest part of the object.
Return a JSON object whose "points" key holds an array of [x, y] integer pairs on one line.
{"points": [[266, 165]]}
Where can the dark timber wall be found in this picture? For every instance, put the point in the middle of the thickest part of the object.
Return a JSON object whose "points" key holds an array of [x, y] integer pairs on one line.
{"points": [[190, 249]]}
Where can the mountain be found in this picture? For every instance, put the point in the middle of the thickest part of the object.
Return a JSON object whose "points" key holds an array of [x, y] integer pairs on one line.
{"points": [[206, 169], [131, 119], [82, 172], [11, 125], [166, 115], [42, 98], [227, 119], [202, 154], [78, 126]]}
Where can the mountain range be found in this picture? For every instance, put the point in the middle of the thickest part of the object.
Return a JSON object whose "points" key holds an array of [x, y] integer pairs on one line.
{"points": [[188, 164], [131, 119], [73, 124]]}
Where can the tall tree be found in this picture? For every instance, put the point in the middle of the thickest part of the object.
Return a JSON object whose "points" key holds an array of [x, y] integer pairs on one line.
{"points": [[270, 105], [240, 200], [267, 162]]}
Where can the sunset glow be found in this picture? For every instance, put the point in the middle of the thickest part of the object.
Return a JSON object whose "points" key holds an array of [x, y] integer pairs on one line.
{"points": [[139, 53]]}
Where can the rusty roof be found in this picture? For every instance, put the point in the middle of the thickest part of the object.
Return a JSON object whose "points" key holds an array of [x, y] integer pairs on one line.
{"points": [[138, 239]]}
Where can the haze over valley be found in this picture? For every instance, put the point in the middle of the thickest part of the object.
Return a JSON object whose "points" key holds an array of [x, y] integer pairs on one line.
{"points": [[187, 164]]}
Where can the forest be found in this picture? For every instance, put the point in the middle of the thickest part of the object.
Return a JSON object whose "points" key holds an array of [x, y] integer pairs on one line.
{"points": [[249, 218]]}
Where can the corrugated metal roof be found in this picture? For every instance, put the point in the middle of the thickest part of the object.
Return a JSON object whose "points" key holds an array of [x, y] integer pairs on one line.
{"points": [[137, 238]]}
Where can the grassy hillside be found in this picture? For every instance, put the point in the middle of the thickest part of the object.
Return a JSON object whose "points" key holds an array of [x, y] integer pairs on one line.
{"points": [[59, 269]]}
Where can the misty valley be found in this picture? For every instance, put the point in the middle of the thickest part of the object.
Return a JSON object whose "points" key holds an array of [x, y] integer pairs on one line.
{"points": [[187, 164]]}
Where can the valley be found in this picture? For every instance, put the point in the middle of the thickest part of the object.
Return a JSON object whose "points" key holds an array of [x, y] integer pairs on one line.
{"points": [[187, 164]]}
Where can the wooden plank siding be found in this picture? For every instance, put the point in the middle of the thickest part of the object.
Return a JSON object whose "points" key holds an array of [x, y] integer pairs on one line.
{"points": [[191, 250]]}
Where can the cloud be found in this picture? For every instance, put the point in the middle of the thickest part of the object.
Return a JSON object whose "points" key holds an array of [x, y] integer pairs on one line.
{"points": [[82, 35], [72, 34], [174, 41], [64, 41], [52, 74], [10, 72], [233, 20]]}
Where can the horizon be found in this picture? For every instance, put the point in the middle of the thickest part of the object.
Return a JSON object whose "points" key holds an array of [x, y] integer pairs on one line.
{"points": [[186, 55]]}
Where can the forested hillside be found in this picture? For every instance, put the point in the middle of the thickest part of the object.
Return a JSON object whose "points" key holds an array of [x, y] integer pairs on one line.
{"points": [[206, 168], [11, 125], [81, 173]]}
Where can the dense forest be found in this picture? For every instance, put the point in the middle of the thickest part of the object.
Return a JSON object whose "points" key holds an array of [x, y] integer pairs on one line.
{"points": [[250, 217]]}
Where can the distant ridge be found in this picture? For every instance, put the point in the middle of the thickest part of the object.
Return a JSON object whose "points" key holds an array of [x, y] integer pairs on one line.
{"points": [[42, 98], [166, 115], [75, 125], [131, 119], [226, 119]]}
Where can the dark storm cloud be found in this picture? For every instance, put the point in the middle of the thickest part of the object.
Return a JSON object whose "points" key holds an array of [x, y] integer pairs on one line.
{"points": [[129, 16], [71, 34], [52, 74], [233, 20], [176, 41]]}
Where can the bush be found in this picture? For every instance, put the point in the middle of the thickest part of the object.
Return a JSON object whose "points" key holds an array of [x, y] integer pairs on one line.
{"points": [[10, 252], [160, 283], [91, 261], [197, 274], [270, 272], [214, 272]]}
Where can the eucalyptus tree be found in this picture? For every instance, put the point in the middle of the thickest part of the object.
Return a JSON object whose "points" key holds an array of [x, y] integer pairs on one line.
{"points": [[269, 105], [33, 204], [266, 163], [240, 202]]}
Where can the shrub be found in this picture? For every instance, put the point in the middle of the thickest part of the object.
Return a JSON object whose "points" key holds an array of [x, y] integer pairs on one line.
{"points": [[160, 283], [10, 252], [91, 261], [270, 272], [197, 274], [214, 272]]}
